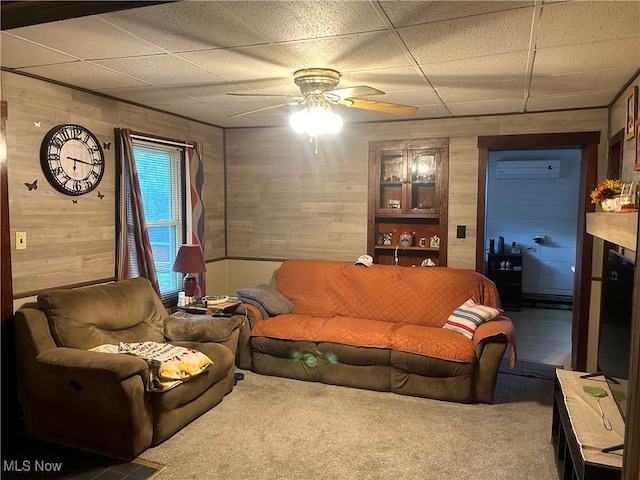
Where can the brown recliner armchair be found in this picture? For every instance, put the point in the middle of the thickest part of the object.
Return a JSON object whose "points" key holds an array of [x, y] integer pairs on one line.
{"points": [[99, 401]]}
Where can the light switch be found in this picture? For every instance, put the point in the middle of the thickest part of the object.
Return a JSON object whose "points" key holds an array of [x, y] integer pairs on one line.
{"points": [[21, 240], [461, 231]]}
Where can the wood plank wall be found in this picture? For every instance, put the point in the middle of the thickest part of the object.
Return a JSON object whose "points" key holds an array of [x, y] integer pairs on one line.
{"points": [[283, 201], [69, 243], [286, 202]]}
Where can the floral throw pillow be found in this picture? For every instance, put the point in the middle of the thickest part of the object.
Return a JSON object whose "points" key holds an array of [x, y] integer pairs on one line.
{"points": [[469, 316]]}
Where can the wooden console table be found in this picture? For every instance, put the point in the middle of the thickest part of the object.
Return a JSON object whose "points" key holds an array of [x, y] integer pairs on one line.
{"points": [[578, 432]]}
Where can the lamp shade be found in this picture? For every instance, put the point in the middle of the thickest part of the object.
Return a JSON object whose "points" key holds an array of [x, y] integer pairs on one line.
{"points": [[189, 260]]}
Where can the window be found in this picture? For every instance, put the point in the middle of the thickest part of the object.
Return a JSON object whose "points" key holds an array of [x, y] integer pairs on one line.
{"points": [[161, 177]]}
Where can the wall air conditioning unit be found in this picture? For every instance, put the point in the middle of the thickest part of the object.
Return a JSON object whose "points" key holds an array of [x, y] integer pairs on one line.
{"points": [[526, 169]]}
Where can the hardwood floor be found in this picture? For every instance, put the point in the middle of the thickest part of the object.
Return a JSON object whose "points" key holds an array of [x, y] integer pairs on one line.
{"points": [[543, 335]]}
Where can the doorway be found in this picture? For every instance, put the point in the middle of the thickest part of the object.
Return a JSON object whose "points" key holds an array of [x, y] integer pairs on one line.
{"points": [[587, 143]]}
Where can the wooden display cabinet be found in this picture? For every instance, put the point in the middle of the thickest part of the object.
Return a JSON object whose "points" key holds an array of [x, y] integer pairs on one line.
{"points": [[408, 182]]}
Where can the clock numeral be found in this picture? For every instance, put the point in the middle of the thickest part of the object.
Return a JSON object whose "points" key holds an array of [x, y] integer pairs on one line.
{"points": [[54, 157], [58, 142], [67, 134]]}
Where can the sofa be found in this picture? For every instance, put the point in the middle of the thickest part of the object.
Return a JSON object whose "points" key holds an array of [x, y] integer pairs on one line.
{"points": [[383, 327], [73, 392]]}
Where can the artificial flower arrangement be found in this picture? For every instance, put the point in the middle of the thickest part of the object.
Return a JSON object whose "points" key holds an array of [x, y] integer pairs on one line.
{"points": [[606, 190]]}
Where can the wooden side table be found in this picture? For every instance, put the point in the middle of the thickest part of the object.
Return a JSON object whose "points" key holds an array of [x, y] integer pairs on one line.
{"points": [[577, 455]]}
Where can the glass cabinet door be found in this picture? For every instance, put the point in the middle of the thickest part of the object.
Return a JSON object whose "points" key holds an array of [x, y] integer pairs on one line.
{"points": [[424, 196], [392, 171]]}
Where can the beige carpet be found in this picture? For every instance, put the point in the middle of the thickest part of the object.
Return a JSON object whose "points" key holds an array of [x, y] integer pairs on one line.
{"points": [[275, 428]]}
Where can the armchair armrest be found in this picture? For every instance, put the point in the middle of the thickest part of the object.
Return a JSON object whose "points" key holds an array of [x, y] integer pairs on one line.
{"points": [[500, 326], [106, 366], [200, 328]]}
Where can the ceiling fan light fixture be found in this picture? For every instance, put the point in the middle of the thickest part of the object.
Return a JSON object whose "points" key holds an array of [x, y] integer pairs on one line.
{"points": [[316, 120]]}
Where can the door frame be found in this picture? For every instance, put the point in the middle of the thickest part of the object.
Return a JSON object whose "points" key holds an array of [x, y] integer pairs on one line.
{"points": [[588, 143]]}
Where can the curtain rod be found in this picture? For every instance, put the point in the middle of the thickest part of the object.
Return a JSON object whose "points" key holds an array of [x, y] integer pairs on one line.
{"points": [[160, 140]]}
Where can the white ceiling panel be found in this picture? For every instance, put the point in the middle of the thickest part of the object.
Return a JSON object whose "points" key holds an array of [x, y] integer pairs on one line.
{"points": [[448, 58], [283, 21], [568, 102], [84, 75], [17, 52], [489, 107], [469, 37], [350, 52], [571, 23], [187, 26], [237, 64], [479, 70], [582, 57], [596, 81], [87, 38], [163, 69], [403, 14]]}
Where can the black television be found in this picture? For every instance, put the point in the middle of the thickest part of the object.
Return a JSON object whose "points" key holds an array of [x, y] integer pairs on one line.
{"points": [[616, 315]]}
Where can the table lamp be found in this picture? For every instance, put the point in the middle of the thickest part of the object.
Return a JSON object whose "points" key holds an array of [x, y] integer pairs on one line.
{"points": [[189, 261]]}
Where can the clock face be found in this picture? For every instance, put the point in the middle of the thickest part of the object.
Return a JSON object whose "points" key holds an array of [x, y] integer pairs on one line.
{"points": [[72, 159]]}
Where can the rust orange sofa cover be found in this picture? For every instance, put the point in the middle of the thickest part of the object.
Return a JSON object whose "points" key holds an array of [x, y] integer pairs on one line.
{"points": [[380, 327]]}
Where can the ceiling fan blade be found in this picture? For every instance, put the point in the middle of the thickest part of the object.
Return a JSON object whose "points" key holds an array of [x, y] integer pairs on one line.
{"points": [[263, 109], [379, 106], [358, 91]]}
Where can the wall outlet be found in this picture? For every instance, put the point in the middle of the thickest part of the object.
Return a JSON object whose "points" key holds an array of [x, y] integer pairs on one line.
{"points": [[21, 240]]}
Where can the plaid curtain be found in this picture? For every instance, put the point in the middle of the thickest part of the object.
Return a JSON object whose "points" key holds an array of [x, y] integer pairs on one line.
{"points": [[134, 257]]}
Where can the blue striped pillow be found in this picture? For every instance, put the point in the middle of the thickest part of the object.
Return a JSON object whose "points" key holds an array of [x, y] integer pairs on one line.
{"points": [[469, 316]]}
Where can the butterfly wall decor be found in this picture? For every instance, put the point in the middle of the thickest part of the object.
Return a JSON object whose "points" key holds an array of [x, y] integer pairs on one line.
{"points": [[37, 124], [106, 146], [100, 195], [75, 202], [32, 186]]}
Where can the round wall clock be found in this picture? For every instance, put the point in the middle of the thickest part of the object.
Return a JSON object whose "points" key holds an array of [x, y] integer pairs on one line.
{"points": [[72, 159]]}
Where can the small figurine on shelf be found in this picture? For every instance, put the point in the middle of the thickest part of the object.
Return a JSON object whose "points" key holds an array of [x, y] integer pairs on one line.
{"points": [[434, 241]]}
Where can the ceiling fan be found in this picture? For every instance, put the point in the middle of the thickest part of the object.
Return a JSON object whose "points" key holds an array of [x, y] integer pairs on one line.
{"points": [[317, 86]]}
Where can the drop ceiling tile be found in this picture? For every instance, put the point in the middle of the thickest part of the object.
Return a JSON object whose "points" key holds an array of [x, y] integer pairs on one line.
{"points": [[17, 52], [477, 36], [410, 97], [350, 52], [185, 26], [508, 89], [146, 95], [243, 63], [568, 102], [489, 107], [87, 38], [403, 14], [83, 75], [163, 69], [386, 79], [477, 71], [586, 57], [599, 80], [283, 21], [570, 23]]}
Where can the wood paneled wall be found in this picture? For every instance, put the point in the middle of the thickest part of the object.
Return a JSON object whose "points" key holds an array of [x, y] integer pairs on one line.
{"points": [[74, 243], [286, 202], [282, 201]]}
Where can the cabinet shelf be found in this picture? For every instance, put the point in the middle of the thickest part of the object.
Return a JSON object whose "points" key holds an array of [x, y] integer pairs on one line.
{"points": [[417, 249], [408, 182]]}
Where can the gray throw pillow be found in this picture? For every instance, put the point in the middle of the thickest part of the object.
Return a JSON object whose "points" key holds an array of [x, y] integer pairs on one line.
{"points": [[272, 301]]}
